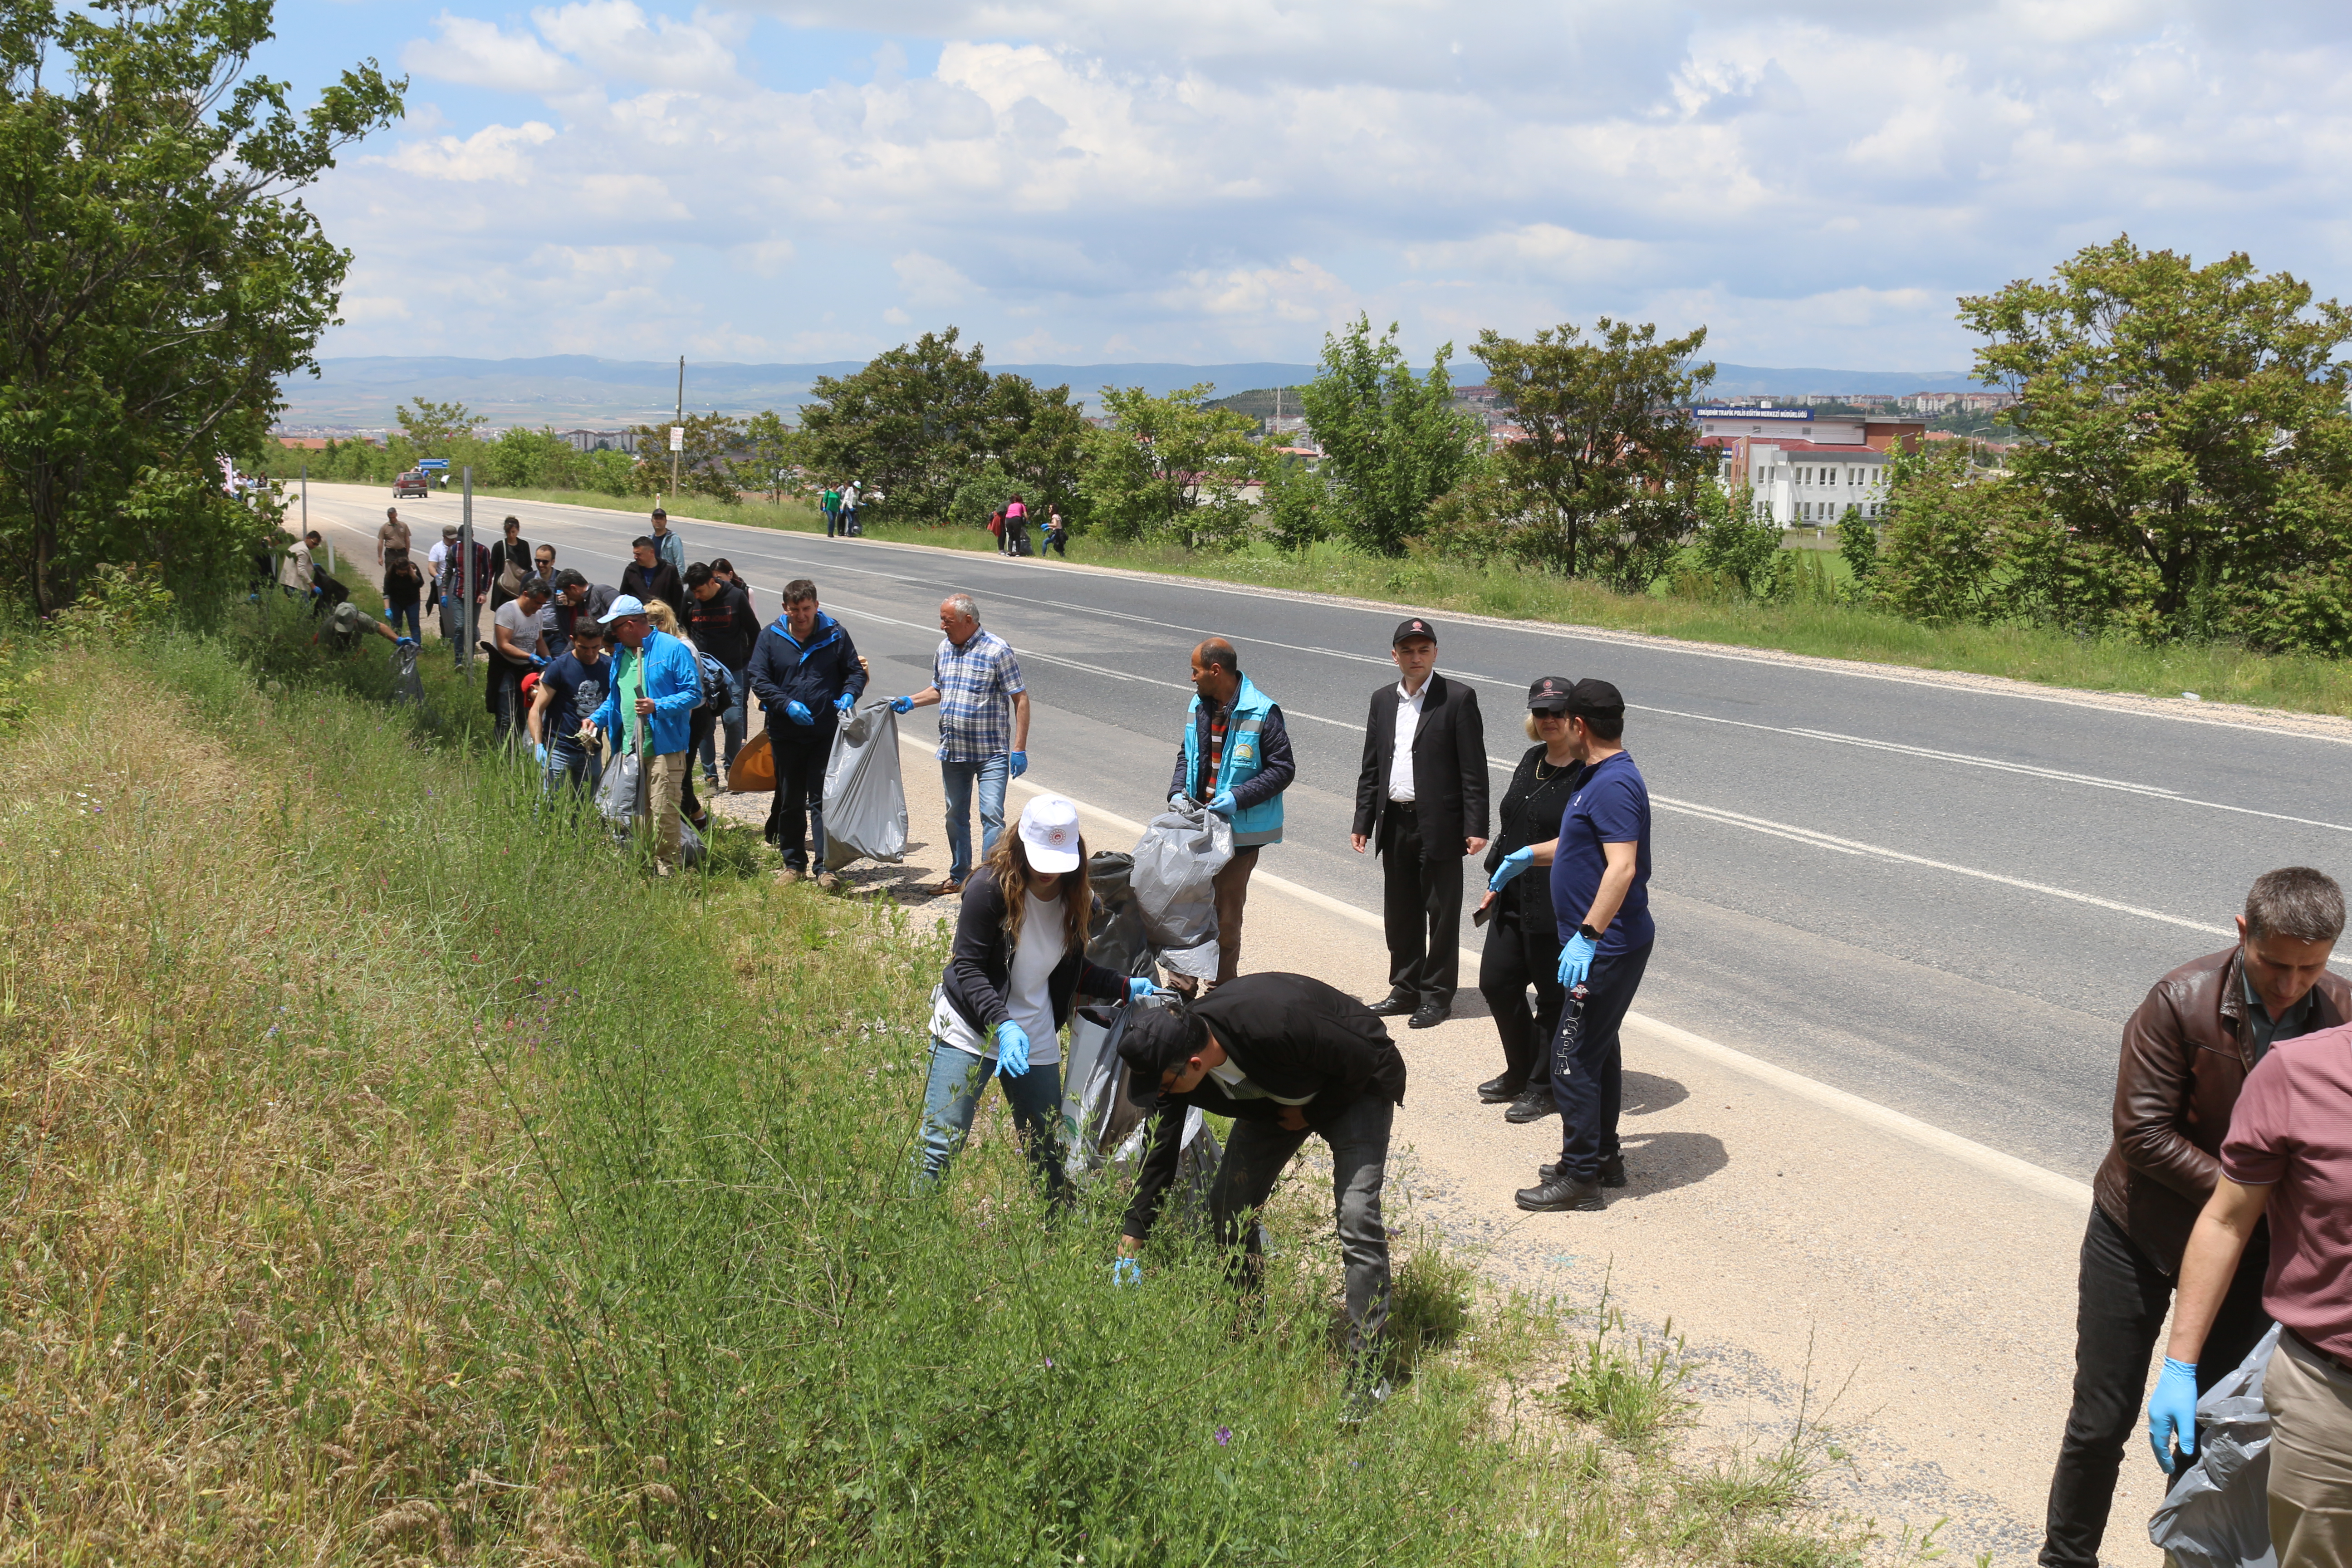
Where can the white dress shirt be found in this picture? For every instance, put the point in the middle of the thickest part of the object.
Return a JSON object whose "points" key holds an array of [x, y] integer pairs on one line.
{"points": [[1408, 720]]}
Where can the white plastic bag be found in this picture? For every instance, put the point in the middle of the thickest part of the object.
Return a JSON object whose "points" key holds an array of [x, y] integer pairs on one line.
{"points": [[2217, 1513], [1176, 860], [865, 800]]}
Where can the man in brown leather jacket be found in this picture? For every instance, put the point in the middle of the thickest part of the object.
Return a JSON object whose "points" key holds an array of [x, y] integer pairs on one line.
{"points": [[2186, 1053]]}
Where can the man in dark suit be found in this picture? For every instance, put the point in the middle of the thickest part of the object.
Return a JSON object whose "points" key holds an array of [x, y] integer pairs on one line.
{"points": [[1422, 796]]}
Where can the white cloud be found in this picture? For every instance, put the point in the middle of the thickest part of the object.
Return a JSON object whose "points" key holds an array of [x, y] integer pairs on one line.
{"points": [[1229, 179]]}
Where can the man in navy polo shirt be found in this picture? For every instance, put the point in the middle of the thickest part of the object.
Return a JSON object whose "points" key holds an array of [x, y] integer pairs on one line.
{"points": [[1600, 896]]}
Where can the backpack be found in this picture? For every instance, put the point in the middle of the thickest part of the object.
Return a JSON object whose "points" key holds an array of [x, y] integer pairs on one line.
{"points": [[718, 685], [996, 523]]}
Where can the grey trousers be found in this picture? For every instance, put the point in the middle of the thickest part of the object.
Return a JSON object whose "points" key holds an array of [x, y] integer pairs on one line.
{"points": [[1359, 1137]]}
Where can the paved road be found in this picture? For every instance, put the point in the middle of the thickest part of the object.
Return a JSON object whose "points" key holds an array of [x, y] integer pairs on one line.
{"points": [[1943, 900]]}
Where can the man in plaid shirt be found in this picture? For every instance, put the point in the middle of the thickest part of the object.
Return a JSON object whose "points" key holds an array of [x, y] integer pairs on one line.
{"points": [[983, 729]]}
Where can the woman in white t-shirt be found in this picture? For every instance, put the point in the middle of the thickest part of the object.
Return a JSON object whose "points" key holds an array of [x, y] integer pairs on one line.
{"points": [[1018, 964]]}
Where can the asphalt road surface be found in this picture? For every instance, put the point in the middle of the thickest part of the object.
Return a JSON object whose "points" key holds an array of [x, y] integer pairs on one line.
{"points": [[1945, 901]]}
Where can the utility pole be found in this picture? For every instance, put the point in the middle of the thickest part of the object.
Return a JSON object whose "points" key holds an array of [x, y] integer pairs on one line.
{"points": [[678, 431]]}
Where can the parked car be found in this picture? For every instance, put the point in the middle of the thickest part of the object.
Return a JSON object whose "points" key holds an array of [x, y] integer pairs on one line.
{"points": [[411, 483]]}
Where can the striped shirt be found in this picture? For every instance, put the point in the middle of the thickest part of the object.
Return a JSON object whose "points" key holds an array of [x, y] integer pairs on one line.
{"points": [[977, 684]]}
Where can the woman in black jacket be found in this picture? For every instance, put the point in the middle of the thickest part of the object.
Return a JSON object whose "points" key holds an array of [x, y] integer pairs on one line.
{"points": [[1019, 960], [1523, 937], [511, 561]]}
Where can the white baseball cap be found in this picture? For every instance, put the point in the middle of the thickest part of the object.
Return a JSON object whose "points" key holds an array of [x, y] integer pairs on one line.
{"points": [[1049, 830]]}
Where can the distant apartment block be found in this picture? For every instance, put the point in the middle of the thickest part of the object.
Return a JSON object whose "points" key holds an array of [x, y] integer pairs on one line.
{"points": [[1802, 467], [601, 440]]}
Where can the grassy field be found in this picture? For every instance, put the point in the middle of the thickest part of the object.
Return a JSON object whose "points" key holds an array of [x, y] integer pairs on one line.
{"points": [[398, 1175], [2217, 672]]}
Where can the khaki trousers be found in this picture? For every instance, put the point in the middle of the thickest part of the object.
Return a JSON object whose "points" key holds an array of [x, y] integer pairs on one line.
{"points": [[1231, 887], [2310, 1404], [665, 782]]}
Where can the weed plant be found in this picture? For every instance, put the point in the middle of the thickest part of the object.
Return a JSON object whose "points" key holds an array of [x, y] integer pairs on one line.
{"points": [[1813, 622]]}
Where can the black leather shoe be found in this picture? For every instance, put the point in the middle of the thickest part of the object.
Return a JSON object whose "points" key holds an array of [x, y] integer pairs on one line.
{"points": [[1499, 1090], [1393, 1007], [1428, 1015], [1532, 1104], [1563, 1195], [1612, 1171]]}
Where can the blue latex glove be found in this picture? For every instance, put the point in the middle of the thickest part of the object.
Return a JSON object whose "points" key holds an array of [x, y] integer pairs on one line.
{"points": [[1011, 1049], [844, 703], [1575, 959], [1222, 803], [543, 751], [406, 642], [902, 705], [1018, 763], [797, 712], [1517, 861], [1138, 988], [539, 660], [2172, 1412], [1126, 1271]]}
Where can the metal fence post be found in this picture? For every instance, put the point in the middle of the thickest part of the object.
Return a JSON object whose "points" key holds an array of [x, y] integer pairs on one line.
{"points": [[466, 579]]}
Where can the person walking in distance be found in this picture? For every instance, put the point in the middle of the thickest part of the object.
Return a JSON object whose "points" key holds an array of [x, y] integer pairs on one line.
{"points": [[648, 577], [983, 729], [2186, 1051], [831, 501], [1235, 760], [393, 535], [723, 626], [670, 548], [1421, 798], [806, 671], [1600, 900], [1522, 934], [849, 498], [647, 710]]}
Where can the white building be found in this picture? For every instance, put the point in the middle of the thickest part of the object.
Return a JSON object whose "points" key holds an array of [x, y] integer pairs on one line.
{"points": [[1803, 468]]}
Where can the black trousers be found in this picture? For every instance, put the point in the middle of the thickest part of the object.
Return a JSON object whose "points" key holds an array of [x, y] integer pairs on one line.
{"points": [[1420, 908], [1588, 1061], [1514, 958], [2121, 1304], [800, 798]]}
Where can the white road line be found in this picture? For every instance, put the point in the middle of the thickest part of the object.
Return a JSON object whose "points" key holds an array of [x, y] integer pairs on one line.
{"points": [[1992, 1162]]}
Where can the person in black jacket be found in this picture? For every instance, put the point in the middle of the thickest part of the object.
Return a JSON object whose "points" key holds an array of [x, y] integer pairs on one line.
{"points": [[1423, 801], [725, 629], [1284, 1056], [1522, 938], [805, 671], [649, 577], [1018, 963], [513, 550]]}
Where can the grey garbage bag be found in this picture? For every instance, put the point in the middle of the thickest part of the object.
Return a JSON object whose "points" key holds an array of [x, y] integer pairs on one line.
{"points": [[1175, 860], [2216, 1515], [1115, 935], [407, 686], [1104, 1129], [865, 800], [617, 791]]}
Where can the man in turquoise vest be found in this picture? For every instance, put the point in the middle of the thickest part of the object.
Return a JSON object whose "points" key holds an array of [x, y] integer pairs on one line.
{"points": [[1235, 759]]}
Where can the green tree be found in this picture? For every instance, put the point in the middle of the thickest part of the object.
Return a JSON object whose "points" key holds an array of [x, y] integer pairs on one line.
{"points": [[1170, 467], [1392, 442], [436, 429], [1609, 473], [706, 464], [1732, 544], [2188, 417], [1297, 501], [769, 456], [1945, 540], [159, 277], [1858, 547], [922, 419]]}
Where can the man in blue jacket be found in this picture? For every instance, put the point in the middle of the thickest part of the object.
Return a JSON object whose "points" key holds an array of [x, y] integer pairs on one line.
{"points": [[1235, 759], [648, 709], [805, 670]]}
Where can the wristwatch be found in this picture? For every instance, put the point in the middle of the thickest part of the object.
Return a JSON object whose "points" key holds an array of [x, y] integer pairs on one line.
{"points": [[1588, 933]]}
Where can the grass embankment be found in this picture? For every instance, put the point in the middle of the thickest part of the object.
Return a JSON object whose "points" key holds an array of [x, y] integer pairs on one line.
{"points": [[2217, 672], [397, 1174]]}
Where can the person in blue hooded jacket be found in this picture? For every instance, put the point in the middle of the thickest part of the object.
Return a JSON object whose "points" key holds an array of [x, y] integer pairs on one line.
{"points": [[1235, 760], [648, 708], [805, 671]]}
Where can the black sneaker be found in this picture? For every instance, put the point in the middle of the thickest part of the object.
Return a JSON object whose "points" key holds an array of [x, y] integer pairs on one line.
{"points": [[1563, 1195], [1612, 1171], [1532, 1103]]}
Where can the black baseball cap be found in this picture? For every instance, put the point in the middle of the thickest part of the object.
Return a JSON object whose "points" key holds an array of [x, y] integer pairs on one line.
{"points": [[1550, 695], [1595, 697], [659, 512], [1415, 627]]}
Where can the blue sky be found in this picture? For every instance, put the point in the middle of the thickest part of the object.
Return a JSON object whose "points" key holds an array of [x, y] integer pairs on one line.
{"points": [[1230, 179]]}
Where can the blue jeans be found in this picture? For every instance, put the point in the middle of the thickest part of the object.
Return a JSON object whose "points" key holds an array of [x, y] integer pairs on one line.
{"points": [[714, 762], [832, 521], [395, 614], [1588, 1063], [569, 763], [952, 1099], [959, 778], [849, 523]]}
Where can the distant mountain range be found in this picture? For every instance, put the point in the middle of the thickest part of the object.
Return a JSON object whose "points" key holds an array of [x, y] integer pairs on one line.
{"points": [[566, 390]]}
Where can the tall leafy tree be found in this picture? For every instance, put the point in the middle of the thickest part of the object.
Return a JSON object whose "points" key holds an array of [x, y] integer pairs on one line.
{"points": [[707, 458], [431, 427], [157, 278], [1608, 475], [920, 420], [2191, 418], [1391, 441], [1171, 468]]}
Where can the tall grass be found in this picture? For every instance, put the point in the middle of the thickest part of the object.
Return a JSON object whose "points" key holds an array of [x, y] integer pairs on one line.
{"points": [[2216, 671], [396, 1171]]}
